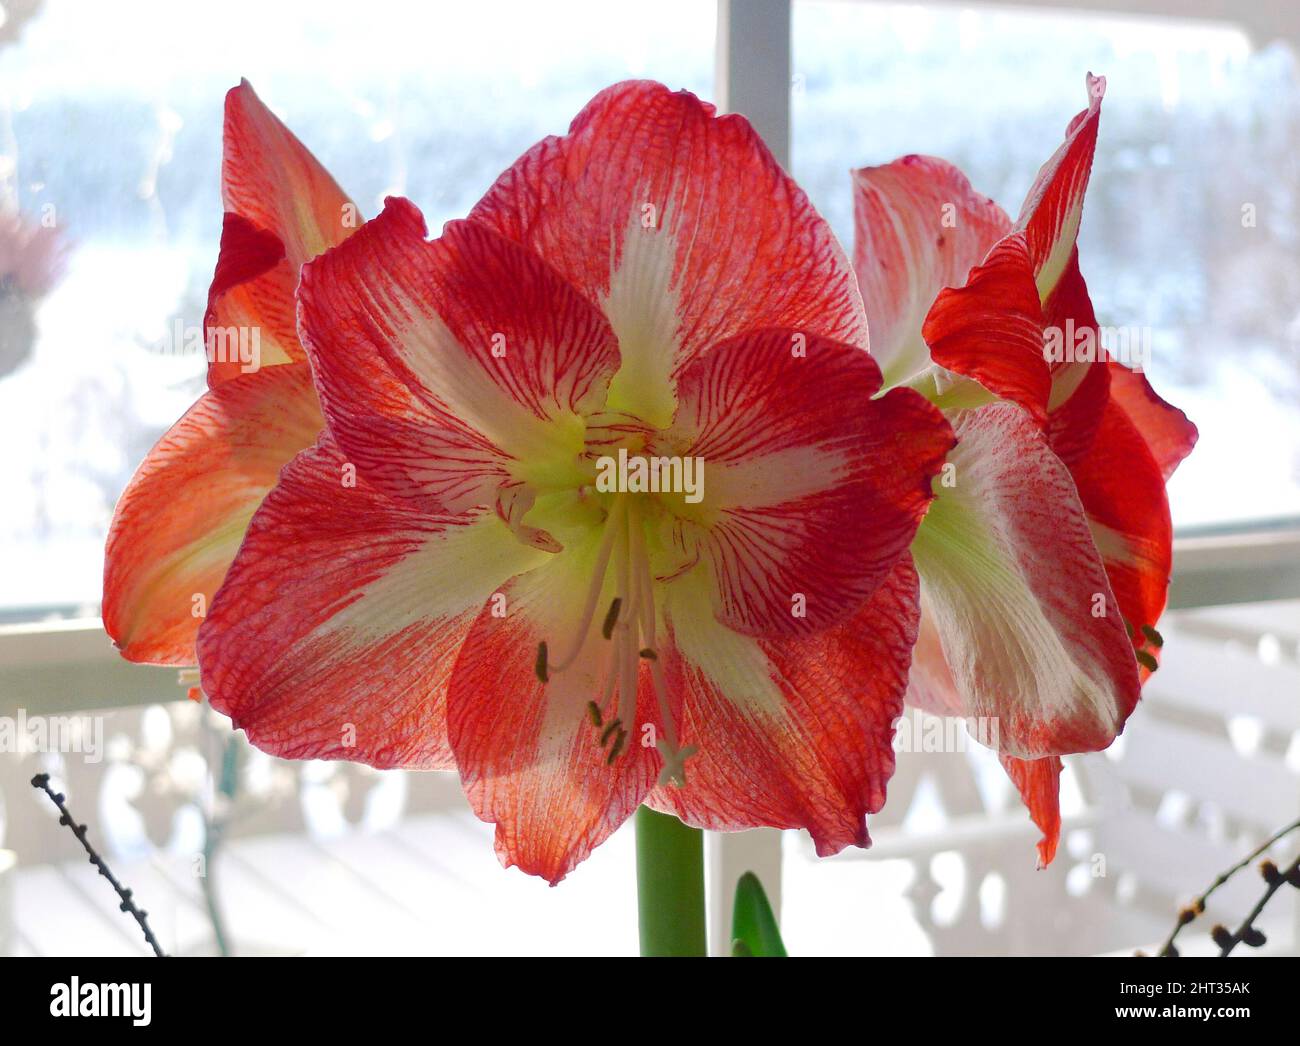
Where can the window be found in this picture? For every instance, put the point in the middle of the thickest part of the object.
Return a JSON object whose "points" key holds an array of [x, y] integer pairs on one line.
{"points": [[1192, 225], [120, 146]]}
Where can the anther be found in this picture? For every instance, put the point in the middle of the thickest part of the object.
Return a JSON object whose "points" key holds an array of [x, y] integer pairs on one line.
{"points": [[617, 747], [593, 713], [540, 666], [611, 617], [649, 654]]}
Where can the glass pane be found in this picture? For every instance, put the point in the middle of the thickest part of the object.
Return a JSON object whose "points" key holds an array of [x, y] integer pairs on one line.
{"points": [[110, 130], [1197, 139]]}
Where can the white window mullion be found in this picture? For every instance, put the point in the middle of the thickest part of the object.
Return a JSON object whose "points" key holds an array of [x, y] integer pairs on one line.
{"points": [[753, 78]]}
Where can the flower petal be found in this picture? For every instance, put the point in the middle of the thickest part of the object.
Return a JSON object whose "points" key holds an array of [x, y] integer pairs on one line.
{"points": [[282, 208], [812, 489], [918, 227], [1039, 784], [449, 367], [1054, 206], [530, 759], [1080, 379], [792, 733], [180, 520], [1029, 625], [991, 329], [930, 685], [682, 226], [336, 629], [249, 323], [1123, 492], [270, 178], [1165, 429]]}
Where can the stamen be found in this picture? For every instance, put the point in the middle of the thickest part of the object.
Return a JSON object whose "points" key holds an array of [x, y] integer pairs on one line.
{"points": [[613, 527], [674, 769], [593, 713], [611, 680], [625, 652], [539, 666]]}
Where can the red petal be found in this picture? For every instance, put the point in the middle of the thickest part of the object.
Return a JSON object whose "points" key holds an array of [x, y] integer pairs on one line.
{"points": [[682, 226], [251, 297], [282, 208], [336, 629], [930, 685], [991, 329], [792, 733], [1123, 492], [1039, 784], [530, 760], [269, 178], [447, 368], [812, 489], [1168, 434], [1080, 386], [918, 227], [1052, 210], [1028, 622], [180, 520]]}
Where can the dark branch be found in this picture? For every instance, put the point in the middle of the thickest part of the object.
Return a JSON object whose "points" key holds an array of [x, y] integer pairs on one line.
{"points": [[1189, 914], [1246, 931], [42, 781]]}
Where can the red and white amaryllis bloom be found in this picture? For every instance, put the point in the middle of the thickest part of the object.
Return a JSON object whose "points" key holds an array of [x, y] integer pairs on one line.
{"points": [[1045, 558], [499, 558], [182, 517]]}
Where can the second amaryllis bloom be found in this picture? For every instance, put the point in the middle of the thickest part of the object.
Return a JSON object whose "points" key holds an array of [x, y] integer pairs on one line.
{"points": [[182, 517], [606, 489], [1046, 556]]}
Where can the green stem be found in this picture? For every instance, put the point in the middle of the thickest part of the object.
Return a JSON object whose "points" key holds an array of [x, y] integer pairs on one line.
{"points": [[670, 885]]}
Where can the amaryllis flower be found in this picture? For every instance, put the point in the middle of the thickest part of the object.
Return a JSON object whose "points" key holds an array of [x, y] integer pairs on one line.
{"points": [[181, 518], [446, 580], [1045, 558]]}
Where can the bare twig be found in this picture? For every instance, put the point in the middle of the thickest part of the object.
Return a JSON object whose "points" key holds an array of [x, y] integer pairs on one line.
{"points": [[1246, 931], [1189, 914], [42, 781]]}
